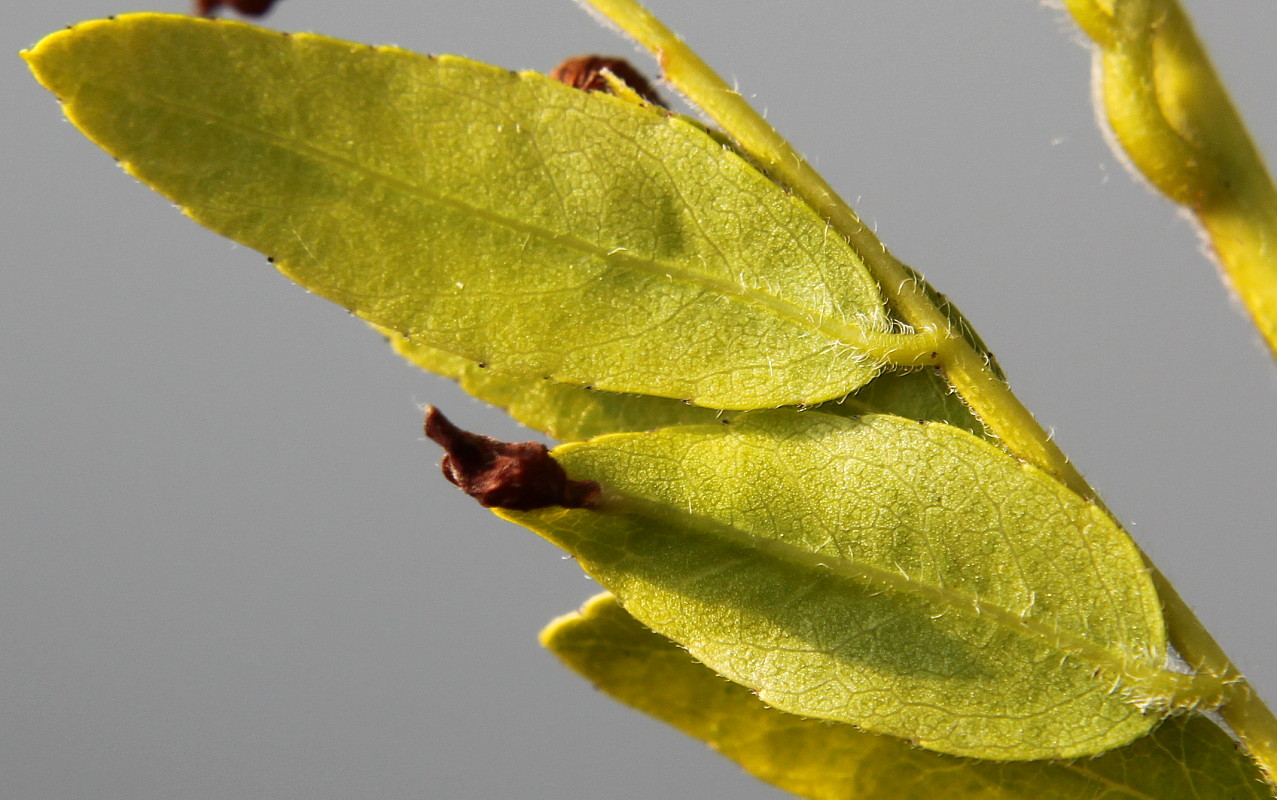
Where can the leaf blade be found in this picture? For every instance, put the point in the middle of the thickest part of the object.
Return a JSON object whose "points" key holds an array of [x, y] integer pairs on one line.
{"points": [[1187, 758], [909, 579], [502, 217], [575, 413]]}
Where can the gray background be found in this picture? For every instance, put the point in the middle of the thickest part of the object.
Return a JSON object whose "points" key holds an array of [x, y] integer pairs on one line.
{"points": [[228, 565]]}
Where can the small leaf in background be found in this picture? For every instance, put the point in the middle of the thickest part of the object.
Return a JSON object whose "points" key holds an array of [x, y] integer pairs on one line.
{"points": [[501, 217], [907, 578], [919, 394], [564, 411], [574, 413], [1187, 758]]}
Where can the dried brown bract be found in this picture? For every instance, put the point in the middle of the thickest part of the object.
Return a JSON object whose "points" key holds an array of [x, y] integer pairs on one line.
{"points": [[519, 476], [252, 8], [586, 73]]}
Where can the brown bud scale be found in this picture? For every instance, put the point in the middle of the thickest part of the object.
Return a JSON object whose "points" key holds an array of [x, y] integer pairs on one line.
{"points": [[586, 73], [519, 476], [252, 8]]}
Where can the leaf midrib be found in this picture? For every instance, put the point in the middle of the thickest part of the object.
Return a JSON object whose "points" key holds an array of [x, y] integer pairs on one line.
{"points": [[1132, 671], [810, 321]]}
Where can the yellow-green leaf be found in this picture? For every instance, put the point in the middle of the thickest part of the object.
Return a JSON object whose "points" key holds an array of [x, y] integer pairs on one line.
{"points": [[905, 577], [574, 413], [1187, 758], [920, 394], [567, 412], [501, 217]]}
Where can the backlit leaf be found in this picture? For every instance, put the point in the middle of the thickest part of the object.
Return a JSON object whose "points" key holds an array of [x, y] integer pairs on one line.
{"points": [[565, 411], [502, 217], [1187, 758], [908, 578], [572, 413]]}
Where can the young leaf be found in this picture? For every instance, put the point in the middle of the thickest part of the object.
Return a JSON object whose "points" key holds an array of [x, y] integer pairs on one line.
{"points": [[574, 413], [503, 217], [907, 578], [1172, 118], [564, 411], [1187, 758], [920, 394]]}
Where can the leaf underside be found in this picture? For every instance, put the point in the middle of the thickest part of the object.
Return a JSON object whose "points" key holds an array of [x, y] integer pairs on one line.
{"points": [[907, 578], [1186, 758], [502, 217]]}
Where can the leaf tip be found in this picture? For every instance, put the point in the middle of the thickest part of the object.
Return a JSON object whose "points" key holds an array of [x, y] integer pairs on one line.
{"points": [[519, 476]]}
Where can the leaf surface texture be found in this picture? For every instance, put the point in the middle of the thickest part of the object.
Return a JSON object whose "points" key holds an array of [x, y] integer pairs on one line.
{"points": [[499, 216], [905, 577], [1186, 758]]}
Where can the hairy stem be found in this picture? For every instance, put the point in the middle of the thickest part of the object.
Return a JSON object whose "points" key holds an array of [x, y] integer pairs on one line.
{"points": [[966, 368], [1171, 119]]}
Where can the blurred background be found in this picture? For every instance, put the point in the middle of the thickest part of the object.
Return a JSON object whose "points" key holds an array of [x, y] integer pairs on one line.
{"points": [[229, 567]]}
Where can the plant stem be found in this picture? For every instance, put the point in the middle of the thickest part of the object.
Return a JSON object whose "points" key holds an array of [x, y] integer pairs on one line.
{"points": [[967, 369], [1170, 114], [1172, 117]]}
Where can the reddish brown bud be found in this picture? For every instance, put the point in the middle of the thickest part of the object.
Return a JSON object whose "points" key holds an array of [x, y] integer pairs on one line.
{"points": [[519, 476], [586, 73], [252, 8]]}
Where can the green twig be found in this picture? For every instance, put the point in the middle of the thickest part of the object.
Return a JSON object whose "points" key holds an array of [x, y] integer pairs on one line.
{"points": [[965, 367], [1171, 119]]}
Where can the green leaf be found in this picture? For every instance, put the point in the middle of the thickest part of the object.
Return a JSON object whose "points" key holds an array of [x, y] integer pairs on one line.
{"points": [[1187, 758], [574, 413], [907, 578], [501, 217], [568, 413], [919, 394]]}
